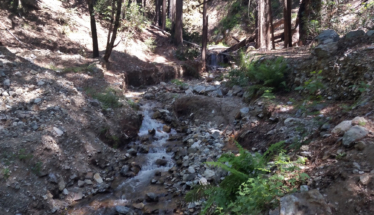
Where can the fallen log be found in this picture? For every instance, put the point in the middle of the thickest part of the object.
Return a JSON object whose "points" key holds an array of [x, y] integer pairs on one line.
{"points": [[241, 44]]}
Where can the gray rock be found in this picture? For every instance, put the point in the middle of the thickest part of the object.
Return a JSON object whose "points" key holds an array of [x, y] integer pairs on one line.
{"points": [[306, 203], [304, 188], [80, 183], [325, 50], [191, 170], [61, 185], [41, 83], [370, 33], [98, 178], [327, 36], [58, 131], [236, 89], [37, 100], [291, 121], [342, 127], [189, 177], [244, 111], [161, 162], [353, 134], [124, 170], [124, 210], [209, 174], [365, 179], [359, 121], [354, 34], [6, 83], [151, 197], [52, 178], [102, 187], [360, 146], [65, 192], [199, 89]]}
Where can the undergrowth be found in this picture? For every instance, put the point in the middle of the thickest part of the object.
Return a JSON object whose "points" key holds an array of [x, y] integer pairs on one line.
{"points": [[260, 77], [249, 188], [108, 98]]}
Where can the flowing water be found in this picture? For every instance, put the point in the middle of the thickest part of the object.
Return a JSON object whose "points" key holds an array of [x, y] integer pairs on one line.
{"points": [[128, 190]]}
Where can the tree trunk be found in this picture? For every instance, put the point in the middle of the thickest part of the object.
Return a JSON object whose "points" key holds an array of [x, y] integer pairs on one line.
{"points": [[261, 25], [157, 21], [163, 14], [205, 36], [303, 15], [271, 25], [109, 48], [267, 25], [287, 23], [179, 23], [172, 10], [95, 44], [168, 9]]}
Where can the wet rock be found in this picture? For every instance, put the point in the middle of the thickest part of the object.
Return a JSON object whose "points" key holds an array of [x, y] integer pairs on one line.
{"points": [[132, 152], [151, 197], [306, 203], [166, 129], [342, 127], [125, 170], [98, 178], [124, 210], [353, 134], [102, 187], [161, 162]]}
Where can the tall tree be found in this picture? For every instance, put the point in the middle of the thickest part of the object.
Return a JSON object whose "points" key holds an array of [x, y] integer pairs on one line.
{"points": [[110, 42], [271, 24], [262, 27], [95, 44], [158, 6], [172, 10], [179, 23], [205, 35], [287, 7], [303, 14], [163, 14]]}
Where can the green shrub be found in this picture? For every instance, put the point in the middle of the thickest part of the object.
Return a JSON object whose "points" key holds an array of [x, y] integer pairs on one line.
{"points": [[151, 44], [108, 98], [266, 76], [248, 188], [6, 173], [314, 85]]}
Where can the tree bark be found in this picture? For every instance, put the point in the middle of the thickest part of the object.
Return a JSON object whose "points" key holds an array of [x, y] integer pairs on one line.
{"points": [[95, 44], [287, 23], [179, 23], [271, 25], [267, 25], [163, 14], [303, 15], [109, 48], [172, 10], [205, 36], [261, 25], [158, 6]]}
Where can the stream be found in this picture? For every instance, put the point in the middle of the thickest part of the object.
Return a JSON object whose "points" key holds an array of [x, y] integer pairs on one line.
{"points": [[129, 191]]}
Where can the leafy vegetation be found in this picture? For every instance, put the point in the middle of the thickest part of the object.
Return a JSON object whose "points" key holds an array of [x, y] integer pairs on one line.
{"points": [[313, 86], [108, 98], [249, 188], [151, 44], [261, 77], [186, 53], [179, 83], [6, 173]]}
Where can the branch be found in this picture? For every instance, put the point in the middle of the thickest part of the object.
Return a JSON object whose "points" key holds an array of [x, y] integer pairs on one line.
{"points": [[117, 43], [203, 3], [12, 34]]}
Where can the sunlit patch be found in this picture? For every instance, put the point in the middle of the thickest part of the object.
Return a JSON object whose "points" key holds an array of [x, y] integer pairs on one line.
{"points": [[50, 144]]}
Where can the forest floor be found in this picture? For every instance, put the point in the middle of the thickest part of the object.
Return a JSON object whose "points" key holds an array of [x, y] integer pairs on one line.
{"points": [[50, 125]]}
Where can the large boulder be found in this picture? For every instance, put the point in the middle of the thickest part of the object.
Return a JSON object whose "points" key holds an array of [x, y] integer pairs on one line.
{"points": [[327, 36], [354, 34], [325, 50], [353, 134], [305, 203], [342, 127]]}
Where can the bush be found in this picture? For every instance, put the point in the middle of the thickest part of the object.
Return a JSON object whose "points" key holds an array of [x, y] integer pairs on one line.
{"points": [[186, 53], [313, 86], [248, 188], [108, 98], [265, 76]]}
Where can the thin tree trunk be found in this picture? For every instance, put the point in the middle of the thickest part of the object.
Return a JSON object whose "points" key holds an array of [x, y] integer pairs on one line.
{"points": [[168, 9], [267, 25], [157, 22], [205, 36], [111, 24], [271, 25], [287, 23], [109, 48], [261, 23], [172, 10], [179, 23], [163, 14], [95, 44]]}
